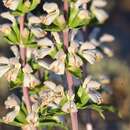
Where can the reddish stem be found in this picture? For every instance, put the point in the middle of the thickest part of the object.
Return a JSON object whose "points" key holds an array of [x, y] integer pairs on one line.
{"points": [[23, 62], [74, 120]]}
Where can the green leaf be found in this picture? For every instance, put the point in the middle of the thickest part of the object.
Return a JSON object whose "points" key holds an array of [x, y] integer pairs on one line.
{"points": [[21, 118], [51, 28], [75, 71], [34, 4], [59, 23], [53, 53], [18, 81], [73, 13], [63, 101], [84, 98]]}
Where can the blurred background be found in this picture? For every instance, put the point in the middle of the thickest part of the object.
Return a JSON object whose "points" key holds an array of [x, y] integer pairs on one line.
{"points": [[117, 68]]}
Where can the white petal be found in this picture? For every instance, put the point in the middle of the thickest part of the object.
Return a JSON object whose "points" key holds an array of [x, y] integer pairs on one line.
{"points": [[95, 97], [56, 36], [34, 20], [8, 16], [50, 84], [38, 32], [12, 101], [101, 15], [27, 69], [10, 116], [86, 81], [69, 107], [4, 60], [83, 14], [53, 12], [89, 56], [41, 53], [13, 72], [5, 28], [4, 69], [73, 48], [80, 2], [45, 42], [99, 3], [61, 56], [11, 4], [58, 67], [43, 64], [30, 81], [15, 51], [75, 60], [50, 7], [107, 38], [86, 46], [50, 18], [73, 34], [93, 85]]}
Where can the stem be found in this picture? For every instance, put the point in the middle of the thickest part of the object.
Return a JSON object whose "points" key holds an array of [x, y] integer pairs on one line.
{"points": [[73, 115], [23, 62]]}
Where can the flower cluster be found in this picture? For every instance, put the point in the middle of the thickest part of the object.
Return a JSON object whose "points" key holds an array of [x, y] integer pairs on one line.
{"points": [[44, 52]]}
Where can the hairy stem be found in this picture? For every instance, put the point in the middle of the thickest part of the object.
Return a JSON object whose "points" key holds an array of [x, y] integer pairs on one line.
{"points": [[23, 62], [74, 120]]}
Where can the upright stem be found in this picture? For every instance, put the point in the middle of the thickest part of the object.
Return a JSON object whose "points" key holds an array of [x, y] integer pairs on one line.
{"points": [[74, 120], [23, 62]]}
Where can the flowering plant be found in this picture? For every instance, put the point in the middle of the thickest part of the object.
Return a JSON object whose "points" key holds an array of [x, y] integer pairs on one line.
{"points": [[42, 51]]}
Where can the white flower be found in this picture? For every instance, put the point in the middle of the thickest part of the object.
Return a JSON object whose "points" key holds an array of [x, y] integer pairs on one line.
{"points": [[99, 3], [12, 102], [46, 97], [97, 8], [101, 15], [9, 16], [30, 80], [53, 12], [87, 50], [56, 37], [74, 59], [69, 106], [11, 4], [91, 88], [10, 66], [45, 43], [5, 29], [107, 38], [57, 89], [45, 47], [83, 15], [32, 118], [34, 20], [58, 66], [38, 32], [80, 2]]}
